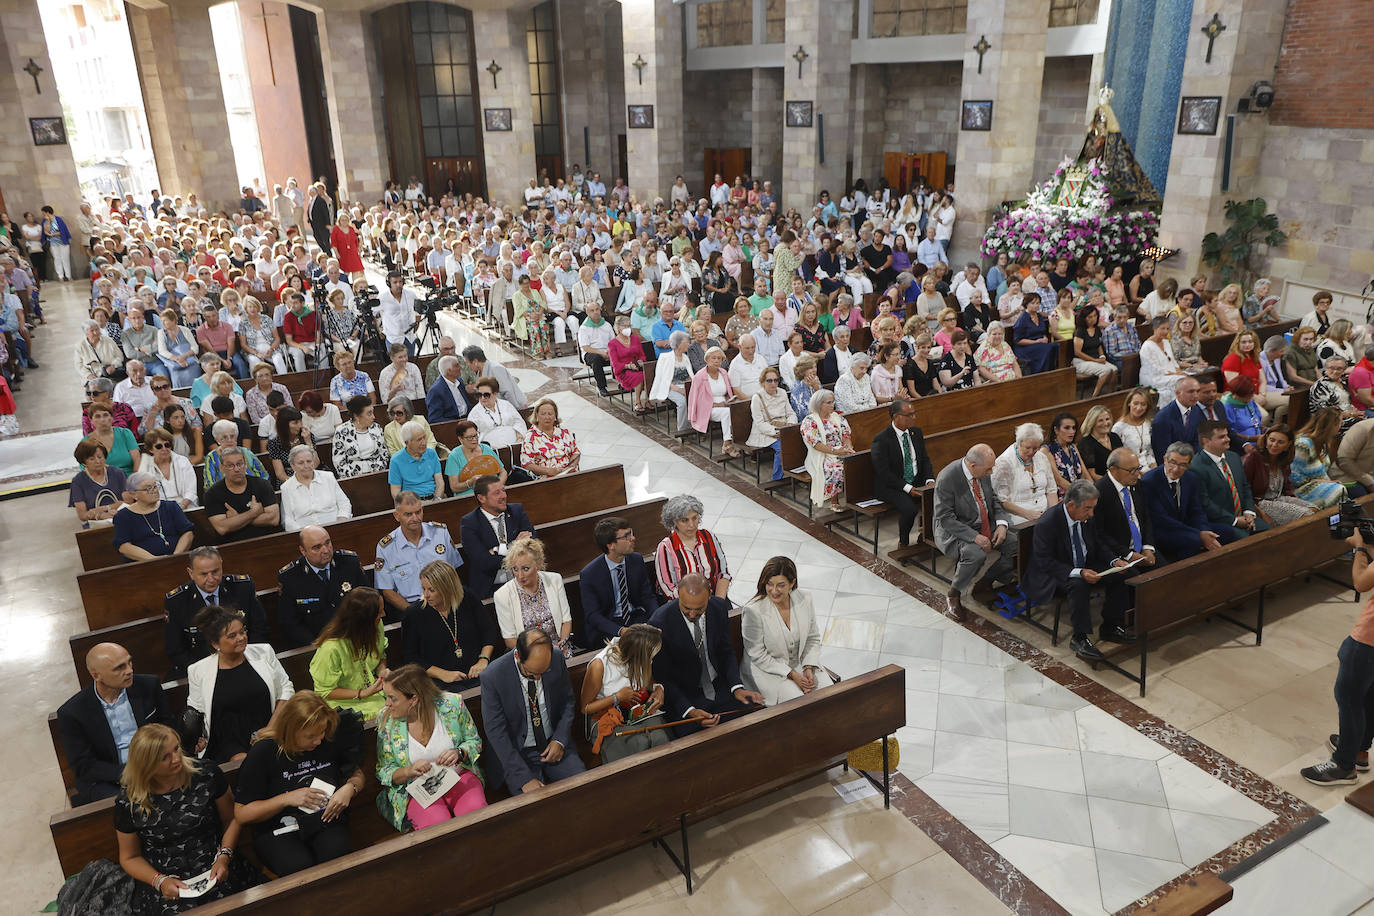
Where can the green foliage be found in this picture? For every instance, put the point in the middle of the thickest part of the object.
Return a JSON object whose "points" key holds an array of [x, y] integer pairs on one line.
{"points": [[1251, 226]]}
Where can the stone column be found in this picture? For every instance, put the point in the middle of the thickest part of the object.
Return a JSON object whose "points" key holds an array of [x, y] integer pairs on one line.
{"points": [[583, 52], [1194, 203], [823, 30], [353, 87], [33, 176], [509, 155], [867, 106], [766, 108], [653, 29], [187, 123], [276, 84], [999, 164]]}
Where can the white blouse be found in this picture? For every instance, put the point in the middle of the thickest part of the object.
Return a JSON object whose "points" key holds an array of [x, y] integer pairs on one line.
{"points": [[1156, 361], [500, 427], [322, 502], [179, 483], [1012, 483], [1137, 439]]}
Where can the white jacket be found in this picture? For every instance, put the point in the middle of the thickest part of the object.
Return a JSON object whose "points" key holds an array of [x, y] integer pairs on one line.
{"points": [[507, 601], [202, 675], [182, 482]]}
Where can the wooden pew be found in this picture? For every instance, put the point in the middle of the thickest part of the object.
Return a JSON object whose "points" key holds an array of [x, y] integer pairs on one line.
{"points": [[615, 807], [1180, 593], [298, 382], [369, 494], [128, 592]]}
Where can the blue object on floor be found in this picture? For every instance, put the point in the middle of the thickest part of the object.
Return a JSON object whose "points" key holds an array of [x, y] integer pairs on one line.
{"points": [[1012, 604]]}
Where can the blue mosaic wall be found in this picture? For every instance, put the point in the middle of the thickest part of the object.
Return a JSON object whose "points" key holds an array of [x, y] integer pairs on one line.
{"points": [[1146, 44]]}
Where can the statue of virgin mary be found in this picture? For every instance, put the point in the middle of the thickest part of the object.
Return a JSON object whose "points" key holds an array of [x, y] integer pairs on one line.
{"points": [[1105, 146]]}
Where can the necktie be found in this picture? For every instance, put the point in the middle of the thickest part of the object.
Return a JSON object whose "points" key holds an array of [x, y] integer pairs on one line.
{"points": [[984, 524], [908, 471], [212, 598], [324, 575], [708, 687], [622, 591], [1178, 499], [1079, 554], [501, 527], [1136, 542], [536, 718], [1231, 482]]}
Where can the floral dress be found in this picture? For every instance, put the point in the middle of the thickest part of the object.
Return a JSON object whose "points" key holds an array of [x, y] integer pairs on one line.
{"points": [[1067, 462], [1000, 362], [535, 611], [558, 450], [1309, 476], [357, 453], [827, 471], [536, 327]]}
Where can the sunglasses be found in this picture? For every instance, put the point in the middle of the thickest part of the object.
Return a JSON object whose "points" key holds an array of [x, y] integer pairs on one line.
{"points": [[162, 387], [161, 445], [485, 394]]}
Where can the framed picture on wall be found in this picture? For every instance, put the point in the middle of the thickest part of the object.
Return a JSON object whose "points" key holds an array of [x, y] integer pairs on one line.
{"points": [[48, 131], [640, 116], [1199, 114], [976, 115], [799, 114], [497, 118]]}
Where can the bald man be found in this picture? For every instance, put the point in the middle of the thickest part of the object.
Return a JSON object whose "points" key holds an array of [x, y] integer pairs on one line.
{"points": [[97, 724], [313, 585]]}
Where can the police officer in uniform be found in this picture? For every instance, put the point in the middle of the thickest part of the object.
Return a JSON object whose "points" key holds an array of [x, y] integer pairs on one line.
{"points": [[208, 585], [407, 550], [313, 585]]}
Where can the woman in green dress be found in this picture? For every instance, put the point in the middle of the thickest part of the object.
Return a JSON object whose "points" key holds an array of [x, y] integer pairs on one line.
{"points": [[350, 655]]}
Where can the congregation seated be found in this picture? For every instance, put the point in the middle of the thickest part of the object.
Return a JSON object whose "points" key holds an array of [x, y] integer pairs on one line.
{"points": [[1314, 451], [350, 655], [98, 489], [149, 526], [1175, 506], [240, 505], [217, 383], [236, 690], [826, 435], [311, 496], [161, 387], [616, 589], [175, 819], [97, 725], [447, 398], [96, 355], [1267, 472], [401, 377], [407, 549], [255, 398], [498, 422], [308, 741], [532, 597], [423, 728], [402, 411], [970, 525], [359, 445], [619, 687], [101, 391], [208, 585], [476, 365], [697, 665], [782, 644], [171, 470], [349, 382], [416, 467], [549, 448], [319, 419], [448, 634], [1023, 476], [689, 548], [288, 432], [527, 715]]}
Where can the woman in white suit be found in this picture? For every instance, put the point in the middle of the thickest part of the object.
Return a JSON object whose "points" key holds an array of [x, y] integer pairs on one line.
{"points": [[241, 683], [532, 597], [782, 644]]}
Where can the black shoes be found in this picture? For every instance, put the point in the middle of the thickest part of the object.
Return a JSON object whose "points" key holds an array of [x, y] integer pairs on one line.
{"points": [[1327, 773], [1115, 633], [1361, 759], [1083, 647]]}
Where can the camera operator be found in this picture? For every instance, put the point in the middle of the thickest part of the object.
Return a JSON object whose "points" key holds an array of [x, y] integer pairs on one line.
{"points": [[397, 307], [1354, 677]]}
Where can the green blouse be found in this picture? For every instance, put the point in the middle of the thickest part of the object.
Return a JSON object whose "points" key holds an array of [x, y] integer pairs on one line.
{"points": [[335, 666], [393, 752]]}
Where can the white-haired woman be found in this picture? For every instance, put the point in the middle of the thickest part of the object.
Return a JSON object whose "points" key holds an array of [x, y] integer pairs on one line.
{"points": [[711, 395], [672, 375], [827, 439], [150, 526], [416, 467], [853, 389], [1023, 476], [311, 496]]}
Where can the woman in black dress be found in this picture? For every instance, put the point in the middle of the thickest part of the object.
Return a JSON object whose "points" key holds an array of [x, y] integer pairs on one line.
{"points": [[718, 285], [1098, 442], [958, 368], [174, 819], [921, 374], [309, 740], [238, 688], [448, 632]]}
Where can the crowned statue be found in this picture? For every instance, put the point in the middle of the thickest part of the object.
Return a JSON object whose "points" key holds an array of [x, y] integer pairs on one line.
{"points": [[1104, 146]]}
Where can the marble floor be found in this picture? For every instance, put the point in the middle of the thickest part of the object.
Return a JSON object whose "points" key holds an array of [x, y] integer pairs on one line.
{"points": [[1088, 806]]}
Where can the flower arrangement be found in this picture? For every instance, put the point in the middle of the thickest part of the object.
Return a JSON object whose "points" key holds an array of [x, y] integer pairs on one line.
{"points": [[1070, 216]]}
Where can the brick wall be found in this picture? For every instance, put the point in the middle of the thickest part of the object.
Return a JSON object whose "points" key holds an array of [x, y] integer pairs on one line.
{"points": [[1063, 101], [717, 113], [1324, 70], [922, 110]]}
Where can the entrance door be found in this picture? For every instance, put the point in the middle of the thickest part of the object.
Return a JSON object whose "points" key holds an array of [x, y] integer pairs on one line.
{"points": [[465, 172], [728, 163]]}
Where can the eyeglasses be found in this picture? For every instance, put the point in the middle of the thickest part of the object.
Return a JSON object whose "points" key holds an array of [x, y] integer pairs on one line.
{"points": [[398, 413], [485, 394], [159, 445], [151, 489], [162, 387]]}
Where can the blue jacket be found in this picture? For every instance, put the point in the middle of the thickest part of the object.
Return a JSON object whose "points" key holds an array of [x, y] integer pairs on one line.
{"points": [[64, 235], [440, 405], [1170, 425], [598, 597]]}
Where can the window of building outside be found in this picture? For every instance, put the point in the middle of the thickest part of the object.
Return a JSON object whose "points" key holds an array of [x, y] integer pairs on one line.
{"points": [[1073, 12], [892, 18], [443, 76], [724, 23], [542, 44], [774, 21]]}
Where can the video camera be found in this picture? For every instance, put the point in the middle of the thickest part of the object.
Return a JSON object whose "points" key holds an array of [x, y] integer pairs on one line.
{"points": [[437, 297], [1350, 516], [366, 299]]}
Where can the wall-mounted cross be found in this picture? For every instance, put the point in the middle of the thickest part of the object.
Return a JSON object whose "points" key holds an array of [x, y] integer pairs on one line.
{"points": [[639, 63], [1212, 30], [982, 47], [493, 68], [262, 15], [800, 55], [32, 69]]}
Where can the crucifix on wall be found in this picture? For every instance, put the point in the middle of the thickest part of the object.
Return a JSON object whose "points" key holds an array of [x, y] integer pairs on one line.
{"points": [[262, 15]]}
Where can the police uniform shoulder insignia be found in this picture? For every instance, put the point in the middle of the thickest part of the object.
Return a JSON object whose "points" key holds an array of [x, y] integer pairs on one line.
{"points": [[236, 577], [179, 589], [439, 548], [347, 553], [286, 567], [384, 541], [438, 525]]}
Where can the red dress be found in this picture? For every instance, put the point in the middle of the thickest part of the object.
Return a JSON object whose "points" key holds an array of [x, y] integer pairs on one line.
{"points": [[344, 241], [622, 355]]}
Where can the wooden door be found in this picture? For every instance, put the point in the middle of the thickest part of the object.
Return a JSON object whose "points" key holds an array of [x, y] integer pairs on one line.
{"points": [[466, 172]]}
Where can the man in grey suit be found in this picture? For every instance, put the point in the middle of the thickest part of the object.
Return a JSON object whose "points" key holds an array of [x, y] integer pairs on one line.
{"points": [[970, 526], [527, 713]]}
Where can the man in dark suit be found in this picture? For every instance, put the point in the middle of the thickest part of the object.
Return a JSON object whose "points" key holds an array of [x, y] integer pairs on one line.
{"points": [[1176, 421], [616, 591], [97, 724], [209, 585], [446, 398], [321, 220], [901, 465], [1067, 557], [971, 525], [1122, 518], [697, 665], [312, 585], [1222, 485], [527, 714], [1171, 494], [487, 532]]}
